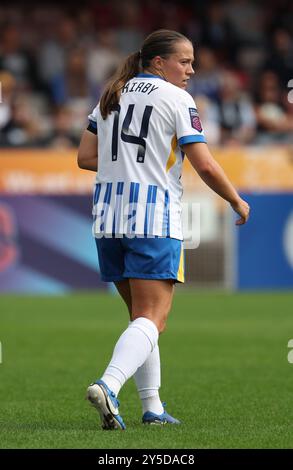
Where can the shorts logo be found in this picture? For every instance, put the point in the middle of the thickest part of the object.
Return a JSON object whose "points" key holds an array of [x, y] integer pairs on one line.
{"points": [[194, 119]]}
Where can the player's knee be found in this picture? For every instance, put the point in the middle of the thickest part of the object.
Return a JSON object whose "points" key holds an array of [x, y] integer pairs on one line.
{"points": [[160, 322]]}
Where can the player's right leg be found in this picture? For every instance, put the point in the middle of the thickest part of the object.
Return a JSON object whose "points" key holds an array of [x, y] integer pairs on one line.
{"points": [[153, 265], [154, 298], [148, 376]]}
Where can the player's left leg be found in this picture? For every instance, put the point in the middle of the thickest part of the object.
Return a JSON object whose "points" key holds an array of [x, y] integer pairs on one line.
{"points": [[111, 261], [147, 377]]}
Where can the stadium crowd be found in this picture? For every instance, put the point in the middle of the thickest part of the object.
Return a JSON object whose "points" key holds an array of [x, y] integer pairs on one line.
{"points": [[55, 59]]}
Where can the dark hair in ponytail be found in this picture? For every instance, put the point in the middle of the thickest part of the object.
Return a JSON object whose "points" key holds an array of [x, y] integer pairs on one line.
{"points": [[159, 43], [111, 95]]}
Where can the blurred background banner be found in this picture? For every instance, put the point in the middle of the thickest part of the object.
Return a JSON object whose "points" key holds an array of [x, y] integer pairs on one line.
{"points": [[43, 171], [54, 64], [45, 222], [265, 245], [46, 244]]}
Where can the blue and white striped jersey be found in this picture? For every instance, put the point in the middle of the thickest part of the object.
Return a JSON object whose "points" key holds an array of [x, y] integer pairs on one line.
{"points": [[138, 189]]}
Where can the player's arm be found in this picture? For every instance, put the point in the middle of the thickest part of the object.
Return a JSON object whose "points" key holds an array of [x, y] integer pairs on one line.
{"points": [[213, 175], [87, 157]]}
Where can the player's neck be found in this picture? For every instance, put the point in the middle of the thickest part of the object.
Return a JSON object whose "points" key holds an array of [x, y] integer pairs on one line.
{"points": [[152, 71]]}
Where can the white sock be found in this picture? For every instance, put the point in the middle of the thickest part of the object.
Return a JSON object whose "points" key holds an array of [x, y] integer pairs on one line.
{"points": [[148, 381], [130, 352], [152, 404]]}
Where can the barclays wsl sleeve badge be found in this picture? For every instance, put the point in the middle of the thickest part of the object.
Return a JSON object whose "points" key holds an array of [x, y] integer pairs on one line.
{"points": [[194, 119]]}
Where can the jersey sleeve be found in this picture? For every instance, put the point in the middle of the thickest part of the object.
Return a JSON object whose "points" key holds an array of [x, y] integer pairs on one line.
{"points": [[188, 124], [93, 120]]}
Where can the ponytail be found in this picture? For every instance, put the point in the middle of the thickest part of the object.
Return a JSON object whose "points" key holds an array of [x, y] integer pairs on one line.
{"points": [[110, 97]]}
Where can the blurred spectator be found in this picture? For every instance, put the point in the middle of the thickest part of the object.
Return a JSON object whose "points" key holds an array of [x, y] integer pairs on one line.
{"points": [[23, 128], [129, 34], [55, 45], [16, 59], [246, 20], [209, 117], [73, 88], [73, 81], [236, 113], [281, 56], [216, 29], [61, 134], [103, 57], [8, 87], [273, 111], [207, 78]]}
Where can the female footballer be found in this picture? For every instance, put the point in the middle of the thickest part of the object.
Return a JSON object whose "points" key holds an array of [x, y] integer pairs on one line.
{"points": [[136, 140]]}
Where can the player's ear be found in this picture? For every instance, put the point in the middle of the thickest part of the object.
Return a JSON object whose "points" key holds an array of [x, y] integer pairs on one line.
{"points": [[158, 62]]}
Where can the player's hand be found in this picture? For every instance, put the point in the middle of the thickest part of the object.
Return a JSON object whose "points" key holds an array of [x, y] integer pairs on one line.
{"points": [[241, 208]]}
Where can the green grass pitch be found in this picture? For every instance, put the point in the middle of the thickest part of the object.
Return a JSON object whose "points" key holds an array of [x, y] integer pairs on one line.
{"points": [[225, 372]]}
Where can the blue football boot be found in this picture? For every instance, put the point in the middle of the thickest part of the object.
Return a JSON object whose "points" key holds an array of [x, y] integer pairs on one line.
{"points": [[164, 418], [107, 404]]}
